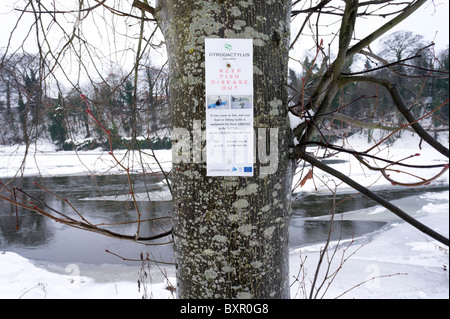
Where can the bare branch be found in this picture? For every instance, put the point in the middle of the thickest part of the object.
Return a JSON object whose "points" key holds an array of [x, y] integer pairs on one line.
{"points": [[378, 126], [142, 259], [398, 100], [144, 6], [62, 11], [363, 190], [390, 65], [365, 154], [414, 6]]}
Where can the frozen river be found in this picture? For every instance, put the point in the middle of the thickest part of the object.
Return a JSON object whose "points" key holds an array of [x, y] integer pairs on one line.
{"points": [[104, 200]]}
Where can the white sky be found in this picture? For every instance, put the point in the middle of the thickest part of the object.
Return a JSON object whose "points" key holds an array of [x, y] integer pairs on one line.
{"points": [[432, 21]]}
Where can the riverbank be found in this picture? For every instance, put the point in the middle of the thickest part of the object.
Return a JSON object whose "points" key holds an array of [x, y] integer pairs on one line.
{"points": [[394, 262], [44, 160]]}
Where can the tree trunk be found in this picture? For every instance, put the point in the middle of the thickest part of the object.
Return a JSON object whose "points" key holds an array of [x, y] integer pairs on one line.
{"points": [[230, 234]]}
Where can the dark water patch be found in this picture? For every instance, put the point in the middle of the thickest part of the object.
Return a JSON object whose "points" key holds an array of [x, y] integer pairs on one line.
{"points": [[43, 239]]}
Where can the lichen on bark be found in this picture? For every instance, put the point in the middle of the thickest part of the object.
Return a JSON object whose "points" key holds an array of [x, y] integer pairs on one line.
{"points": [[230, 234]]}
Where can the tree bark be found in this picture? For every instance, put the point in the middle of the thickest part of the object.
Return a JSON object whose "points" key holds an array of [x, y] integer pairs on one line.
{"points": [[230, 234]]}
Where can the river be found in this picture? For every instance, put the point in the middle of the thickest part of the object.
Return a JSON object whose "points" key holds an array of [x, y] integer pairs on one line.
{"points": [[103, 199]]}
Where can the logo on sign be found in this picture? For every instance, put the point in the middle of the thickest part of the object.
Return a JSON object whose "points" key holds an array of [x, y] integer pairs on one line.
{"points": [[228, 46], [247, 169]]}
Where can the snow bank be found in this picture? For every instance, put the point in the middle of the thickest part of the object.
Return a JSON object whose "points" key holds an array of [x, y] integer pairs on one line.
{"points": [[396, 262]]}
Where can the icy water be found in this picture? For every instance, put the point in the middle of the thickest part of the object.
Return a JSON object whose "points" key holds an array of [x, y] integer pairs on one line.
{"points": [[104, 200]]}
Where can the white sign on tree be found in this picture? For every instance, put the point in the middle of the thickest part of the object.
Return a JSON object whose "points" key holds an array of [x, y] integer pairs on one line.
{"points": [[229, 107]]}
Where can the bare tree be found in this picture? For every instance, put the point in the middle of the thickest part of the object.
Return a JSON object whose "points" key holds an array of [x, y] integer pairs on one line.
{"points": [[401, 45]]}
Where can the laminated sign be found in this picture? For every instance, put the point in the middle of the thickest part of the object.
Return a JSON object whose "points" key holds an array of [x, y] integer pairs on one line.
{"points": [[229, 107]]}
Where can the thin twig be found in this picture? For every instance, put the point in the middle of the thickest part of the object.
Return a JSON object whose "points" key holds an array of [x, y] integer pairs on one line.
{"points": [[368, 280], [394, 209], [133, 259]]}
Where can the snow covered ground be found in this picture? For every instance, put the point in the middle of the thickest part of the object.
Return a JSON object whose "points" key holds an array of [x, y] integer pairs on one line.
{"points": [[395, 262], [402, 262]]}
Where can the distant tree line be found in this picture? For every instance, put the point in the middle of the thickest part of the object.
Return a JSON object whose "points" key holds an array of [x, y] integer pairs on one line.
{"points": [[136, 117]]}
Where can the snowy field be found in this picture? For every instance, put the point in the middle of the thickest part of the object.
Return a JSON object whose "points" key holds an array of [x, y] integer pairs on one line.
{"points": [[395, 262]]}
